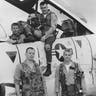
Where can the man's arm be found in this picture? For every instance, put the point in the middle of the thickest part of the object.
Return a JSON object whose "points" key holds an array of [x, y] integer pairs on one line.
{"points": [[21, 40], [11, 41], [53, 25]]}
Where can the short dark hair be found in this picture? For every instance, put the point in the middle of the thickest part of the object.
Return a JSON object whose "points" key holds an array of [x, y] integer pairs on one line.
{"points": [[43, 3], [30, 48], [14, 24]]}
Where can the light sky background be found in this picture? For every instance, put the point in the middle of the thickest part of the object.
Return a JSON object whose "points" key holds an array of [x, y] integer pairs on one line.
{"points": [[85, 8]]}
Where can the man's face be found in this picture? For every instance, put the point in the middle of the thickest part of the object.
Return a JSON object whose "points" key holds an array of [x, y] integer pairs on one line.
{"points": [[44, 8], [67, 56], [30, 54], [15, 29]]}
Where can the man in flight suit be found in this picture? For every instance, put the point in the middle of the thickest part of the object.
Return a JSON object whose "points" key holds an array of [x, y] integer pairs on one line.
{"points": [[48, 21]]}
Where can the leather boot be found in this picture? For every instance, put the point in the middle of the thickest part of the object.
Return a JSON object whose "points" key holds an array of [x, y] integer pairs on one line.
{"points": [[48, 71]]}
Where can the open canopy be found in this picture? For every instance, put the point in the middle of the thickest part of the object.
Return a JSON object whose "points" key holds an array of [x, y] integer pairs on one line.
{"points": [[25, 5]]}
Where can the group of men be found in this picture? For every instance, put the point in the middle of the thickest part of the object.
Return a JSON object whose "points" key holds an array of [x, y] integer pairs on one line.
{"points": [[69, 77], [42, 27]]}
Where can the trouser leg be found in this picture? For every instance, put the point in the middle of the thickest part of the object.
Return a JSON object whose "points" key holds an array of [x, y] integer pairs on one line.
{"points": [[48, 50]]}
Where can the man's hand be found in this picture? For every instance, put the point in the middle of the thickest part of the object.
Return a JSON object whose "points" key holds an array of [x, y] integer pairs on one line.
{"points": [[11, 41]]}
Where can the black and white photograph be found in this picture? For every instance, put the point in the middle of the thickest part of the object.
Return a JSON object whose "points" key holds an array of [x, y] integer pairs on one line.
{"points": [[47, 48]]}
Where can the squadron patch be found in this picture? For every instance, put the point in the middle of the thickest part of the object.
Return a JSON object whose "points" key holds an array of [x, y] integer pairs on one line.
{"points": [[12, 55]]}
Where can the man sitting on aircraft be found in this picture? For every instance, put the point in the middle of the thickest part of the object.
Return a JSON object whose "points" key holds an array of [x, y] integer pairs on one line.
{"points": [[48, 21], [44, 25], [22, 33], [17, 35], [68, 28]]}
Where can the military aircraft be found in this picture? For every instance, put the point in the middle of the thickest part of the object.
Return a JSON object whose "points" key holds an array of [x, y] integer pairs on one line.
{"points": [[82, 43]]}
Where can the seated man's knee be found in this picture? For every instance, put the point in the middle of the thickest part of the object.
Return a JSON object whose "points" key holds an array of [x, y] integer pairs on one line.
{"points": [[47, 47]]}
